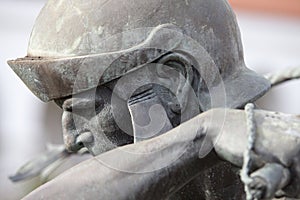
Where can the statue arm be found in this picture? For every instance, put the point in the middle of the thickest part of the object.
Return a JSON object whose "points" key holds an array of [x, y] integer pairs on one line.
{"points": [[161, 166], [151, 169]]}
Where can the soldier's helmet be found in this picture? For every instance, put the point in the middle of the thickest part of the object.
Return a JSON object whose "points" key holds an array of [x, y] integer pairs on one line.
{"points": [[87, 42]]}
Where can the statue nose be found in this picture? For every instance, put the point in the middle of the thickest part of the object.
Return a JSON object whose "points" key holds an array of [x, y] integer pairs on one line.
{"points": [[70, 132]]}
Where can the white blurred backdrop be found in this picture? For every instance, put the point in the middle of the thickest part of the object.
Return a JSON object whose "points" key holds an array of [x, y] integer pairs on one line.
{"points": [[24, 128], [26, 124]]}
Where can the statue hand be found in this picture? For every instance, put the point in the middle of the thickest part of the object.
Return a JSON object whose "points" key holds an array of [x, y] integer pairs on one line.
{"points": [[258, 187], [277, 141]]}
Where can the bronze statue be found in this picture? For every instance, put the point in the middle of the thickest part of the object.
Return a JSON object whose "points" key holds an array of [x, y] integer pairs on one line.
{"points": [[150, 88]]}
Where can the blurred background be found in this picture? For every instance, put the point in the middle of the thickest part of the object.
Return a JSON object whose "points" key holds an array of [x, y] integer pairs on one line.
{"points": [[271, 38]]}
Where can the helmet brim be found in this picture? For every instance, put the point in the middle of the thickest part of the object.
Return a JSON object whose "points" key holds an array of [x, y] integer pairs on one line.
{"points": [[51, 79], [242, 87], [59, 78], [55, 78]]}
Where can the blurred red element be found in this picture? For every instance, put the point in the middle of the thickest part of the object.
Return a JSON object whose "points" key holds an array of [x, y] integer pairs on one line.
{"points": [[281, 7]]}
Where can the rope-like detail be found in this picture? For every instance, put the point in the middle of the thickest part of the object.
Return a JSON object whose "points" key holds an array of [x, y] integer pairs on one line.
{"points": [[251, 130], [283, 76]]}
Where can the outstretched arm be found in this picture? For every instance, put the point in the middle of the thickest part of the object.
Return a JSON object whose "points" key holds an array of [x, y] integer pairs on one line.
{"points": [[150, 169], [161, 166]]}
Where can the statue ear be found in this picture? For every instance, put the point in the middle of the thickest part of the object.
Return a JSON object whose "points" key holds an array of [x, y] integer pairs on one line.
{"points": [[180, 63]]}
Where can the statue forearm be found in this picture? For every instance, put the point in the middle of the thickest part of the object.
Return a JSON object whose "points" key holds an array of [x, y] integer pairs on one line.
{"points": [[153, 168], [160, 166]]}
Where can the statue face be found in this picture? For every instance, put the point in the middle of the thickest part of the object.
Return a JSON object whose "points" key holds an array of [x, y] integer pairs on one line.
{"points": [[138, 106], [100, 120]]}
